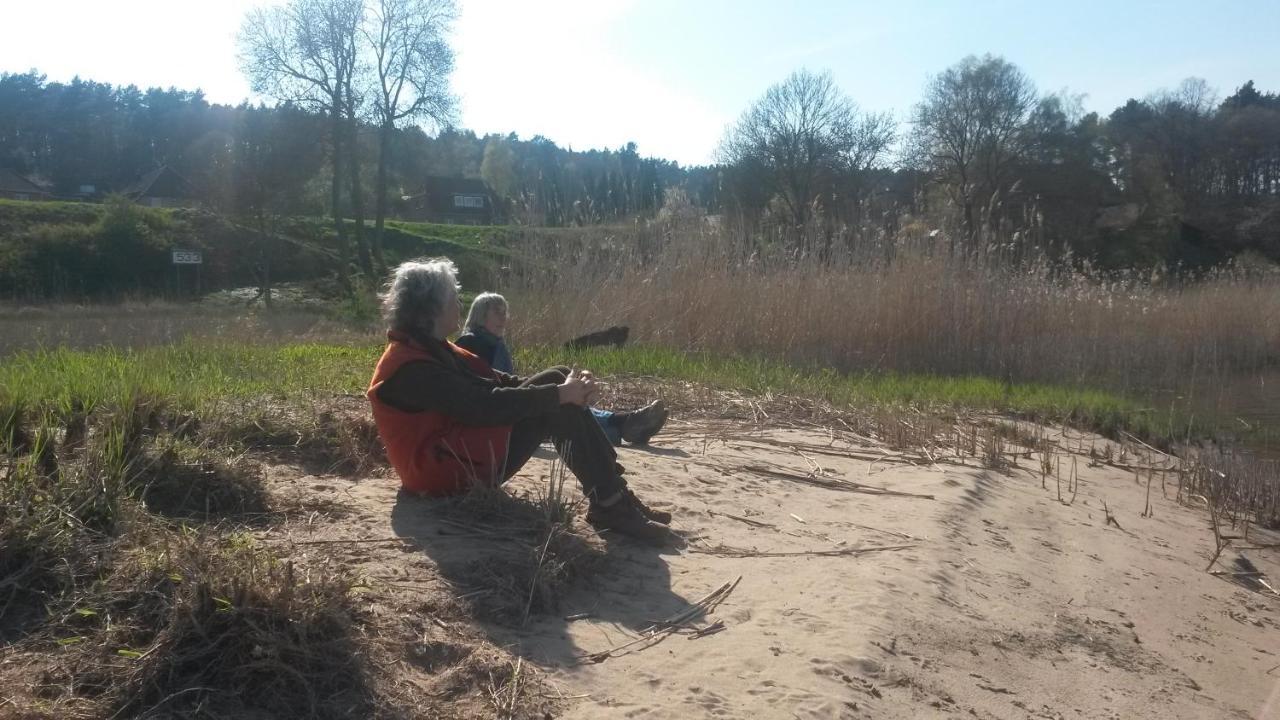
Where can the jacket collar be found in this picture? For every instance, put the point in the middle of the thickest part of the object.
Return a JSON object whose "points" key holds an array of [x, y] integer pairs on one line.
{"points": [[430, 345]]}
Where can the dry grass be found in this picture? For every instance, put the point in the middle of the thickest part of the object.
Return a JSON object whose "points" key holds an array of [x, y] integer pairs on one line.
{"points": [[324, 436], [904, 306], [146, 324], [540, 547], [1237, 486], [110, 608]]}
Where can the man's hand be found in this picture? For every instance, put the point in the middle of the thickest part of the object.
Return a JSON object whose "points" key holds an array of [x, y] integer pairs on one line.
{"points": [[578, 389], [592, 385]]}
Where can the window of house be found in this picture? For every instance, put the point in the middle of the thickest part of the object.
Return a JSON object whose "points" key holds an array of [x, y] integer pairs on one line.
{"points": [[468, 201], [22, 196], [88, 189]]}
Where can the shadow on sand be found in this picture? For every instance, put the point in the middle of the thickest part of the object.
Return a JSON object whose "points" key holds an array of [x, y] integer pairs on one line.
{"points": [[492, 549]]}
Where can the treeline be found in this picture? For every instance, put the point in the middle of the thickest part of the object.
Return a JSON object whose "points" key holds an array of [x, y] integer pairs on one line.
{"points": [[66, 135], [986, 164], [1179, 179]]}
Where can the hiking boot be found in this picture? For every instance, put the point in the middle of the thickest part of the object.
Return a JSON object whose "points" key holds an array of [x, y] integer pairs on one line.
{"points": [[625, 518], [644, 423], [658, 516]]}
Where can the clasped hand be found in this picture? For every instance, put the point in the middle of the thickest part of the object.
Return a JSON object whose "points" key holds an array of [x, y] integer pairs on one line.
{"points": [[579, 388]]}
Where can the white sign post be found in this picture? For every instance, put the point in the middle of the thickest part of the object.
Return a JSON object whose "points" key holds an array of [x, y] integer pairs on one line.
{"points": [[186, 257]]}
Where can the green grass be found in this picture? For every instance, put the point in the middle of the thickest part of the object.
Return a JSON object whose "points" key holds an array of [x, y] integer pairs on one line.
{"points": [[195, 375], [187, 375], [19, 213], [1089, 408], [470, 236]]}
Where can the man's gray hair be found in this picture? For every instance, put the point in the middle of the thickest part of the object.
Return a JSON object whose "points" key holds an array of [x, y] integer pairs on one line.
{"points": [[480, 308], [417, 291]]}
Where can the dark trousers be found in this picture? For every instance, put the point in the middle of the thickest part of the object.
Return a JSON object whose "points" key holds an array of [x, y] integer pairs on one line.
{"points": [[578, 438]]}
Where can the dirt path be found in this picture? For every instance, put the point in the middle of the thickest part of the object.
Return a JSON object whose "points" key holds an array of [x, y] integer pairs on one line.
{"points": [[995, 600]]}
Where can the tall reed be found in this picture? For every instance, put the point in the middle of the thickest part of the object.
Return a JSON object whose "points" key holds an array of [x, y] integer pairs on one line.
{"points": [[904, 303]]}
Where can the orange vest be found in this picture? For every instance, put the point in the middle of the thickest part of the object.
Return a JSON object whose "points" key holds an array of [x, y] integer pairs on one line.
{"points": [[433, 453]]}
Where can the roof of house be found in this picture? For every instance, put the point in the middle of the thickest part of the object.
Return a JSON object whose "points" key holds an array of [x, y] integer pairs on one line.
{"points": [[161, 182], [454, 185], [12, 182]]}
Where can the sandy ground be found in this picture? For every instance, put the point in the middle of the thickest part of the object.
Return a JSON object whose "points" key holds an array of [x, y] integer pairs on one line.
{"points": [[991, 599]]}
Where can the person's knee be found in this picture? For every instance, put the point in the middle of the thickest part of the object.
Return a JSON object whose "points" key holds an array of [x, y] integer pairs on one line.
{"points": [[555, 375]]}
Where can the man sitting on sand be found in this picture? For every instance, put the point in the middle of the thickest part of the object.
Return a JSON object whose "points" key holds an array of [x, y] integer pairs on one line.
{"points": [[484, 334], [449, 421]]}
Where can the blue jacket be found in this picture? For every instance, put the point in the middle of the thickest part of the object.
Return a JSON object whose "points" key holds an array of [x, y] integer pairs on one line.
{"points": [[491, 348]]}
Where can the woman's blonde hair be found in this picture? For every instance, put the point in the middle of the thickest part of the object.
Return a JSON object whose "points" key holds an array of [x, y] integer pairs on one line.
{"points": [[480, 308]]}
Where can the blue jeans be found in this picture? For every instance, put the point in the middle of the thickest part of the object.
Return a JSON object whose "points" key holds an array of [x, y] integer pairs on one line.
{"points": [[611, 429]]}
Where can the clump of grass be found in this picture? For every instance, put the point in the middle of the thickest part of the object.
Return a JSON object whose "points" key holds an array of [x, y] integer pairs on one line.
{"points": [[47, 545], [13, 427], [197, 623], [545, 549], [151, 618], [1238, 486], [321, 436], [182, 479], [63, 508], [246, 633]]}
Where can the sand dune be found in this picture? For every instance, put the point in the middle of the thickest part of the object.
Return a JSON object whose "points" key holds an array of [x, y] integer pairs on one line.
{"points": [[989, 599]]}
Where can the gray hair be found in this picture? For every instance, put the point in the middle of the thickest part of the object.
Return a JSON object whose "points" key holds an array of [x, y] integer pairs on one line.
{"points": [[416, 293], [480, 308]]}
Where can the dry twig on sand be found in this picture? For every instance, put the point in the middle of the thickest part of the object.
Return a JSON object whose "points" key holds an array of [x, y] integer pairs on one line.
{"points": [[831, 483], [730, 551], [739, 518], [660, 631], [1111, 519]]}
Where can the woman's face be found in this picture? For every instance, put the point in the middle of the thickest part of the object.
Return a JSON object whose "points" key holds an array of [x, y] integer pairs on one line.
{"points": [[450, 315], [495, 321]]}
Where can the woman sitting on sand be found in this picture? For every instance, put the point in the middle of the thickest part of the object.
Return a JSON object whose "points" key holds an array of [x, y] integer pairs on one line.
{"points": [[484, 333], [450, 421]]}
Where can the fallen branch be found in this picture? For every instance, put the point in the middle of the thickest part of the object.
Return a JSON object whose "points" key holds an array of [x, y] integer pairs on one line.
{"points": [[354, 542], [831, 483], [829, 452], [1111, 520], [730, 551], [739, 518], [895, 533], [660, 631], [711, 629]]}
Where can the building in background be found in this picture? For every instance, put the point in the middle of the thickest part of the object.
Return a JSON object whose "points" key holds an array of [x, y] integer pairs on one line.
{"points": [[16, 187], [452, 201], [162, 187]]}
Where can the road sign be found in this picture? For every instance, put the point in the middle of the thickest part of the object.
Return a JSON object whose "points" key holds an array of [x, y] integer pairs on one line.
{"points": [[187, 257]]}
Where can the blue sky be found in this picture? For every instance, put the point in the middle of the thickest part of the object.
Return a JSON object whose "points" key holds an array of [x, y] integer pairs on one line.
{"points": [[672, 75]]}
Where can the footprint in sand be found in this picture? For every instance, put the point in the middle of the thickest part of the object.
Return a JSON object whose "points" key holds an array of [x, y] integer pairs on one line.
{"points": [[713, 703]]}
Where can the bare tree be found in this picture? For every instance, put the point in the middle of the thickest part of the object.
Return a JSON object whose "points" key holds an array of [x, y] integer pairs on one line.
{"points": [[411, 60], [305, 52], [802, 135], [968, 130]]}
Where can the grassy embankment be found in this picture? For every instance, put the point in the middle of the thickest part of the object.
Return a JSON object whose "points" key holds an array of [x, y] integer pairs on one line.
{"points": [[196, 377], [63, 251], [124, 475], [127, 475]]}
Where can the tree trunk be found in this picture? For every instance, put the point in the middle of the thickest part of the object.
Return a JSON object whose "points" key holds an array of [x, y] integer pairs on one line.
{"points": [[344, 249], [380, 198], [264, 254], [357, 201]]}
